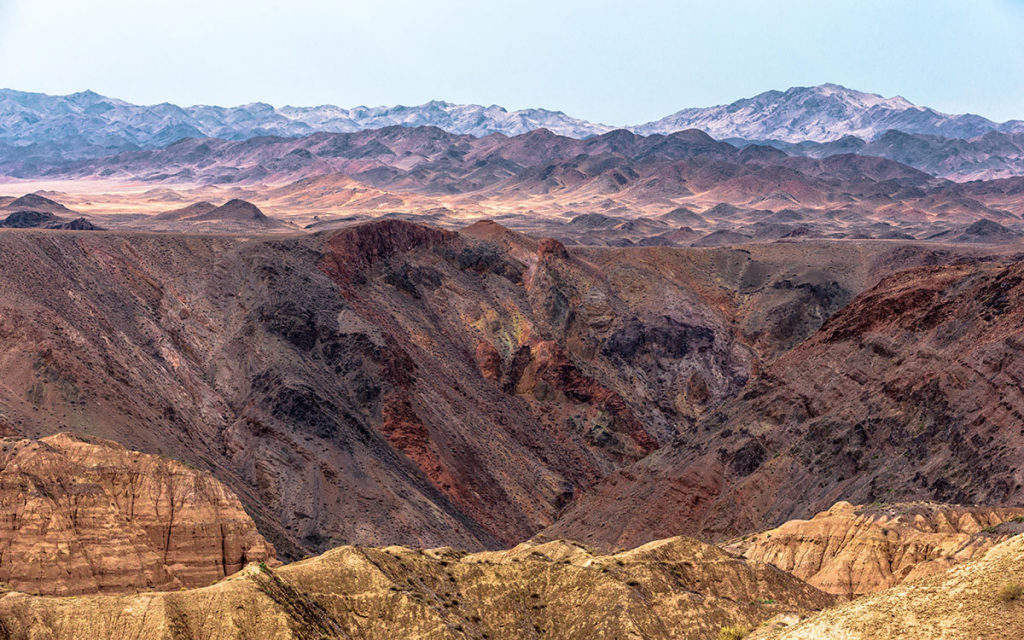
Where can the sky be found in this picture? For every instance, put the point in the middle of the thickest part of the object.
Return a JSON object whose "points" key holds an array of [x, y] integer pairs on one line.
{"points": [[617, 62]]}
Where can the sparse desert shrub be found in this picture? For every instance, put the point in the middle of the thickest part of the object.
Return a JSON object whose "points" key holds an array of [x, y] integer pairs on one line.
{"points": [[733, 632], [1011, 592]]}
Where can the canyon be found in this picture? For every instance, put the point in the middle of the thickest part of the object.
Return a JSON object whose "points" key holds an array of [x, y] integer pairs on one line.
{"points": [[393, 383], [909, 392], [474, 373]]}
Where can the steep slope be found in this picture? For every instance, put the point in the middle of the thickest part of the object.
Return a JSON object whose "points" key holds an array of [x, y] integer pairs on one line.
{"points": [[29, 220], [979, 599], [910, 392], [235, 211], [35, 211], [396, 383], [852, 551], [36, 202], [86, 516], [986, 230], [234, 216], [78, 224], [677, 588], [384, 383], [186, 212]]}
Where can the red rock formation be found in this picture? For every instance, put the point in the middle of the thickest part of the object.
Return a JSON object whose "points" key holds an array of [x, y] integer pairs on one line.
{"points": [[336, 382], [489, 361], [354, 250], [551, 248], [548, 370], [91, 516], [911, 392]]}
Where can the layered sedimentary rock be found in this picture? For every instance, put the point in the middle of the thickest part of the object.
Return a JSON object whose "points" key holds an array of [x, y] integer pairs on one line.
{"points": [[983, 598], [677, 588], [85, 516], [855, 550]]}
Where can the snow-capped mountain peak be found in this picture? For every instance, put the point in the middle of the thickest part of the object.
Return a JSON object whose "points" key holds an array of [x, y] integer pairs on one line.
{"points": [[821, 113], [87, 124]]}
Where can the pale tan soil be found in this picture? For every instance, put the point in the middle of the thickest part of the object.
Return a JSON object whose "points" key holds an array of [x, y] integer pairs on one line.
{"points": [[964, 603], [855, 550], [677, 588]]}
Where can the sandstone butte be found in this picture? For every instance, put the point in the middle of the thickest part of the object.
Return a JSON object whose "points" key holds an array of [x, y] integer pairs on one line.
{"points": [[675, 588], [978, 599], [87, 516], [855, 550]]}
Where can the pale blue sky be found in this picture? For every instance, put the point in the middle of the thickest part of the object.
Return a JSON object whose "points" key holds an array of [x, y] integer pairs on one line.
{"points": [[622, 62]]}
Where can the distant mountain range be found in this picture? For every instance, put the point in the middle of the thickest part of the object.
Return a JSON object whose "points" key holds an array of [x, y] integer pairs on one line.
{"points": [[593, 187], [87, 124], [824, 113], [39, 130], [990, 156]]}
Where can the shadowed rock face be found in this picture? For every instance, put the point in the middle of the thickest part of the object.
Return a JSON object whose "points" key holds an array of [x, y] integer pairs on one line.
{"points": [[677, 588], [910, 392], [29, 219], [392, 382], [91, 516], [45, 220], [36, 202], [332, 381], [78, 224], [852, 551]]}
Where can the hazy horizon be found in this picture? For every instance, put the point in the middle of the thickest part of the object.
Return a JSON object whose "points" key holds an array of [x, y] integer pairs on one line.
{"points": [[603, 62]]}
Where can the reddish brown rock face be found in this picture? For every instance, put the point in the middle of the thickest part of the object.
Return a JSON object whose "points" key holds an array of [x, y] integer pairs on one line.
{"points": [[911, 392], [546, 372], [489, 361], [337, 384], [85, 517], [353, 252]]}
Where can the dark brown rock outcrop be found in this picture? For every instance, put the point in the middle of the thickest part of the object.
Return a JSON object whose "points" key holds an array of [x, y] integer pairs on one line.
{"points": [[911, 392], [392, 382]]}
